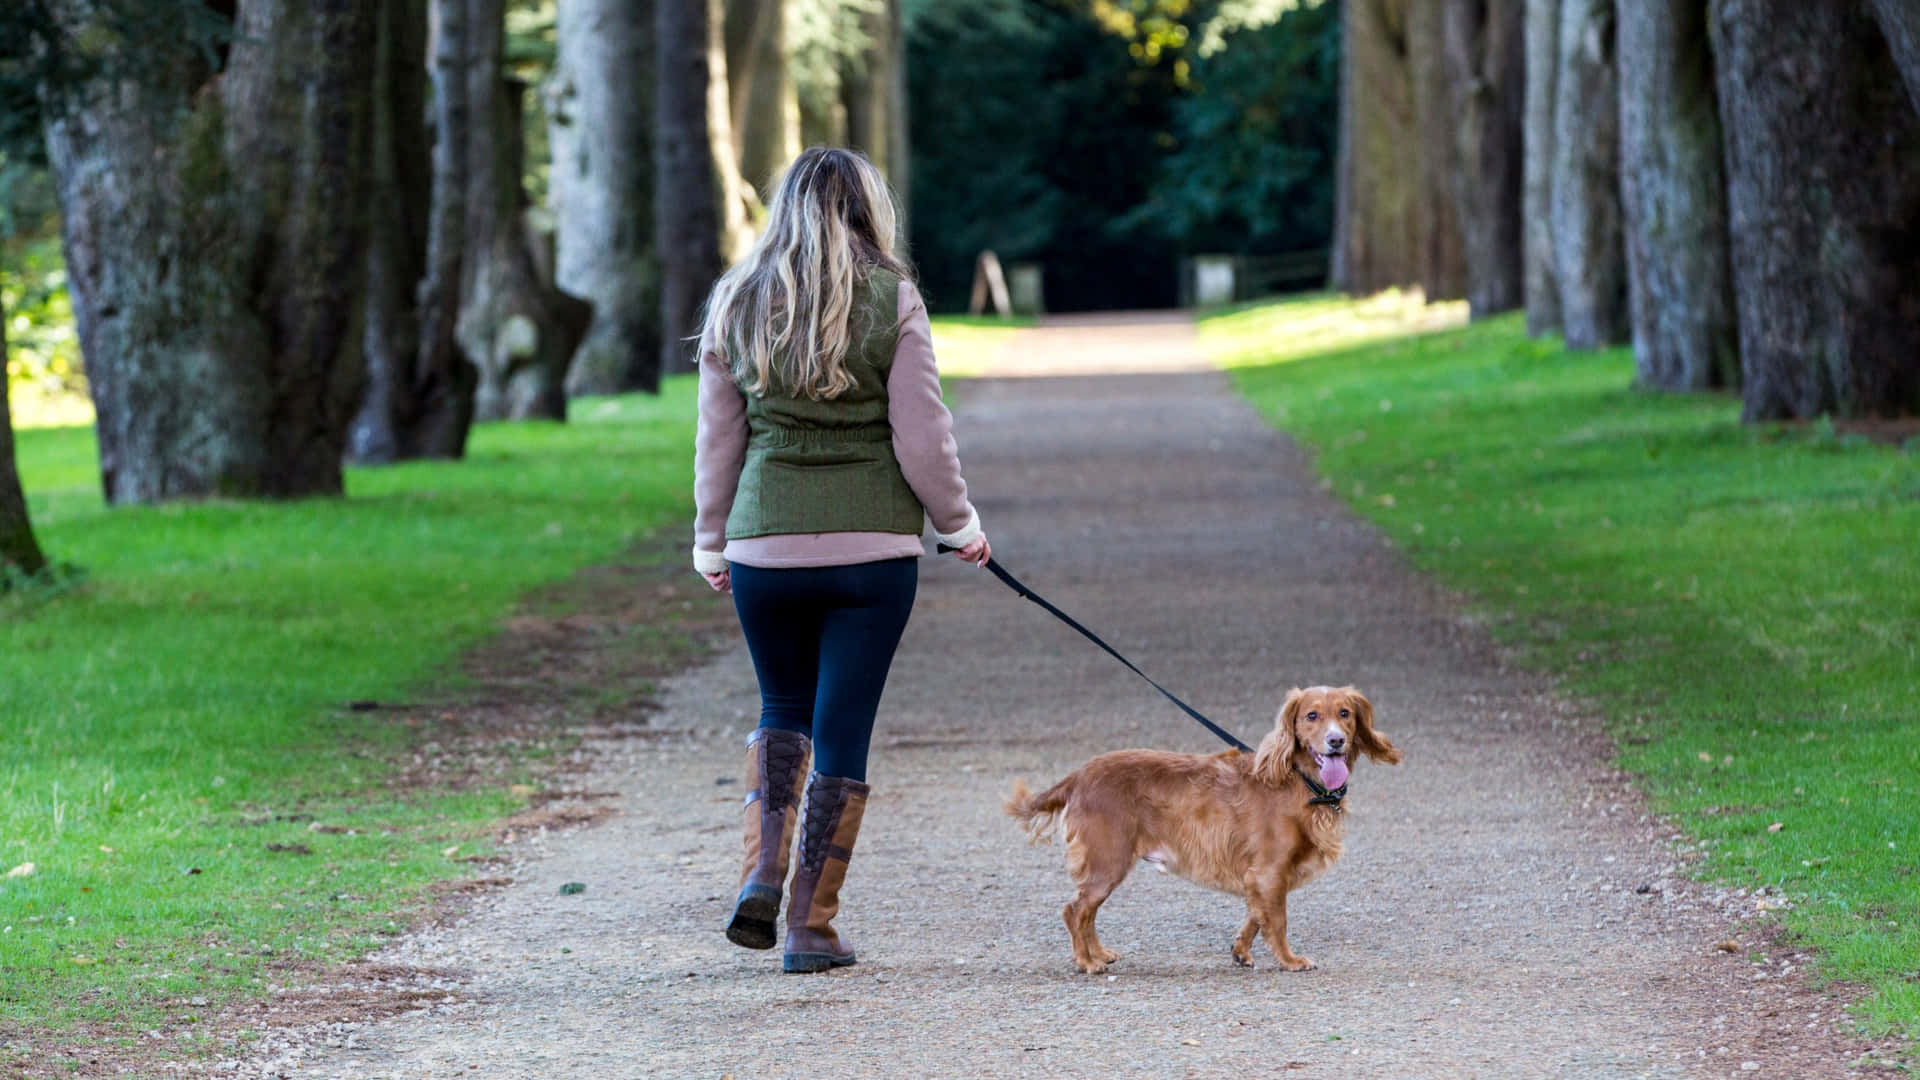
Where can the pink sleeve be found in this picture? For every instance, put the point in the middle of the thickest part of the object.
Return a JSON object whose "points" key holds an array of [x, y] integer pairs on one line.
{"points": [[719, 449], [923, 428]]}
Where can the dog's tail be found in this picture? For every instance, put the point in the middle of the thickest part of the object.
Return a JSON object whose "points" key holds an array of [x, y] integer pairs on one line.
{"points": [[1038, 814]]}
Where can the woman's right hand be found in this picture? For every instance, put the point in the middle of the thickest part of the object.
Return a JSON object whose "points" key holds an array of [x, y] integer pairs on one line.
{"points": [[976, 553]]}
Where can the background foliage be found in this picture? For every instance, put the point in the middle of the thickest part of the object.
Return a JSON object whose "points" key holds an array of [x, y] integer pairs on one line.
{"points": [[1147, 145]]}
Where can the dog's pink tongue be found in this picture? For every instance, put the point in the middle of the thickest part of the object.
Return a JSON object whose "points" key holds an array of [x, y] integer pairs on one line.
{"points": [[1333, 771]]}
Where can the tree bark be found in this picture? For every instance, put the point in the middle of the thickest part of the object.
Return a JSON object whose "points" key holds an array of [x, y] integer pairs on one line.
{"points": [[419, 398], [1823, 202], [688, 187], [1486, 67], [739, 202], [1673, 197], [899, 134], [1900, 23], [1395, 221], [1589, 245], [215, 240], [866, 85], [519, 330], [760, 90], [19, 551], [600, 110], [1442, 250], [1540, 283]]}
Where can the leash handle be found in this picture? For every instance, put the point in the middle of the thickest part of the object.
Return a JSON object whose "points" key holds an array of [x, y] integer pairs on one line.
{"points": [[1011, 582]]}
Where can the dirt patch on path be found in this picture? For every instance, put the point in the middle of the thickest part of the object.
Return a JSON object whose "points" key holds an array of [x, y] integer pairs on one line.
{"points": [[1505, 909]]}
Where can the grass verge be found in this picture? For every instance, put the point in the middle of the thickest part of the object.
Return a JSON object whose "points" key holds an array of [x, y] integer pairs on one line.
{"points": [[188, 801], [1743, 602]]}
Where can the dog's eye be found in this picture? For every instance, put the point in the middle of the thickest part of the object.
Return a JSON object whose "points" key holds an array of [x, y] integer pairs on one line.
{"points": [[1313, 714], [1343, 713]]}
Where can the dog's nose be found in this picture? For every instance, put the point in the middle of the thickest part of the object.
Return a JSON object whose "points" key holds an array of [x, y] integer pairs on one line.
{"points": [[1336, 741]]}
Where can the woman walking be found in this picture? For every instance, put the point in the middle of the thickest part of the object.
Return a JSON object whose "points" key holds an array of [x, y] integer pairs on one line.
{"points": [[823, 444]]}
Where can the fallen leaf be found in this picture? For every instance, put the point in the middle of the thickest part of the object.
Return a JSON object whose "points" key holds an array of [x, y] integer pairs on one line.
{"points": [[1189, 1042], [521, 790], [1727, 946], [573, 888], [25, 869], [1706, 757], [1776, 826], [81, 959], [448, 853]]}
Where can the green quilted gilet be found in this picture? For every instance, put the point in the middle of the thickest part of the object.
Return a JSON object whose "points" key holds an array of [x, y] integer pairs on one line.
{"points": [[828, 466]]}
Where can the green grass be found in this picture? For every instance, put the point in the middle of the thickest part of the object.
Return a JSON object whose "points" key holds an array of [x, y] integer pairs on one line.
{"points": [[183, 705], [1742, 602]]}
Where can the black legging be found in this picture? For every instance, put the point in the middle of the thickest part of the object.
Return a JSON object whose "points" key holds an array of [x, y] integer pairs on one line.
{"points": [[822, 639]]}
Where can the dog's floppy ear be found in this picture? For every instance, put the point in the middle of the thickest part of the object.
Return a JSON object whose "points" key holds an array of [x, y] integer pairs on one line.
{"points": [[1276, 750], [1365, 739]]}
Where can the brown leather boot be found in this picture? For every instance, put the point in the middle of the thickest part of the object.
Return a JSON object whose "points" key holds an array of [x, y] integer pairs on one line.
{"points": [[776, 766], [831, 824]]}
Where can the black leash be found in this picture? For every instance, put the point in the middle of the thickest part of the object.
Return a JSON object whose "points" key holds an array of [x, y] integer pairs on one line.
{"points": [[1013, 583]]}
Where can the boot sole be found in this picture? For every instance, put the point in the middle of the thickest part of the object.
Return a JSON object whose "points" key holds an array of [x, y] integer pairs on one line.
{"points": [[808, 963], [753, 918]]}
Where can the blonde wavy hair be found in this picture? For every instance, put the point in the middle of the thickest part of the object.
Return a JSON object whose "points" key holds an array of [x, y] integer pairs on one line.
{"points": [[784, 312]]}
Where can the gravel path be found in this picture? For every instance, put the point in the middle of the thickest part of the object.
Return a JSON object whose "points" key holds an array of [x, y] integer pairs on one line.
{"points": [[1504, 908]]}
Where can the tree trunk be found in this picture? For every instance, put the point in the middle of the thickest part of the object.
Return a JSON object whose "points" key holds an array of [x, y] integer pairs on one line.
{"points": [[866, 86], [1673, 194], [215, 240], [19, 552], [419, 399], [1395, 223], [689, 193], [1442, 251], [599, 112], [1539, 281], [1900, 22], [1486, 66], [519, 330], [1589, 246], [1823, 204], [899, 135], [760, 90]]}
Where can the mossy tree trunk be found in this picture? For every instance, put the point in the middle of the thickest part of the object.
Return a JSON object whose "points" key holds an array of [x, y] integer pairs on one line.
{"points": [[1673, 196], [419, 399], [1590, 260], [691, 192], [1539, 280], [519, 330], [19, 552], [215, 240], [1485, 54], [760, 89], [1395, 222], [1823, 199], [599, 120]]}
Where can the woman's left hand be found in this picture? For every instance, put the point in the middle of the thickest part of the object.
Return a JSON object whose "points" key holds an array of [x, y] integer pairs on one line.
{"points": [[722, 582]]}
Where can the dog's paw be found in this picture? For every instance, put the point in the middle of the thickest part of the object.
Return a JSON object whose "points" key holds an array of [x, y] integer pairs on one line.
{"points": [[1245, 960], [1092, 967], [1298, 963], [1109, 955]]}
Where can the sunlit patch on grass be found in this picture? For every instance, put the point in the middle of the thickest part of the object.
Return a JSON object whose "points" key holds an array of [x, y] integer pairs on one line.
{"points": [[1268, 332]]}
